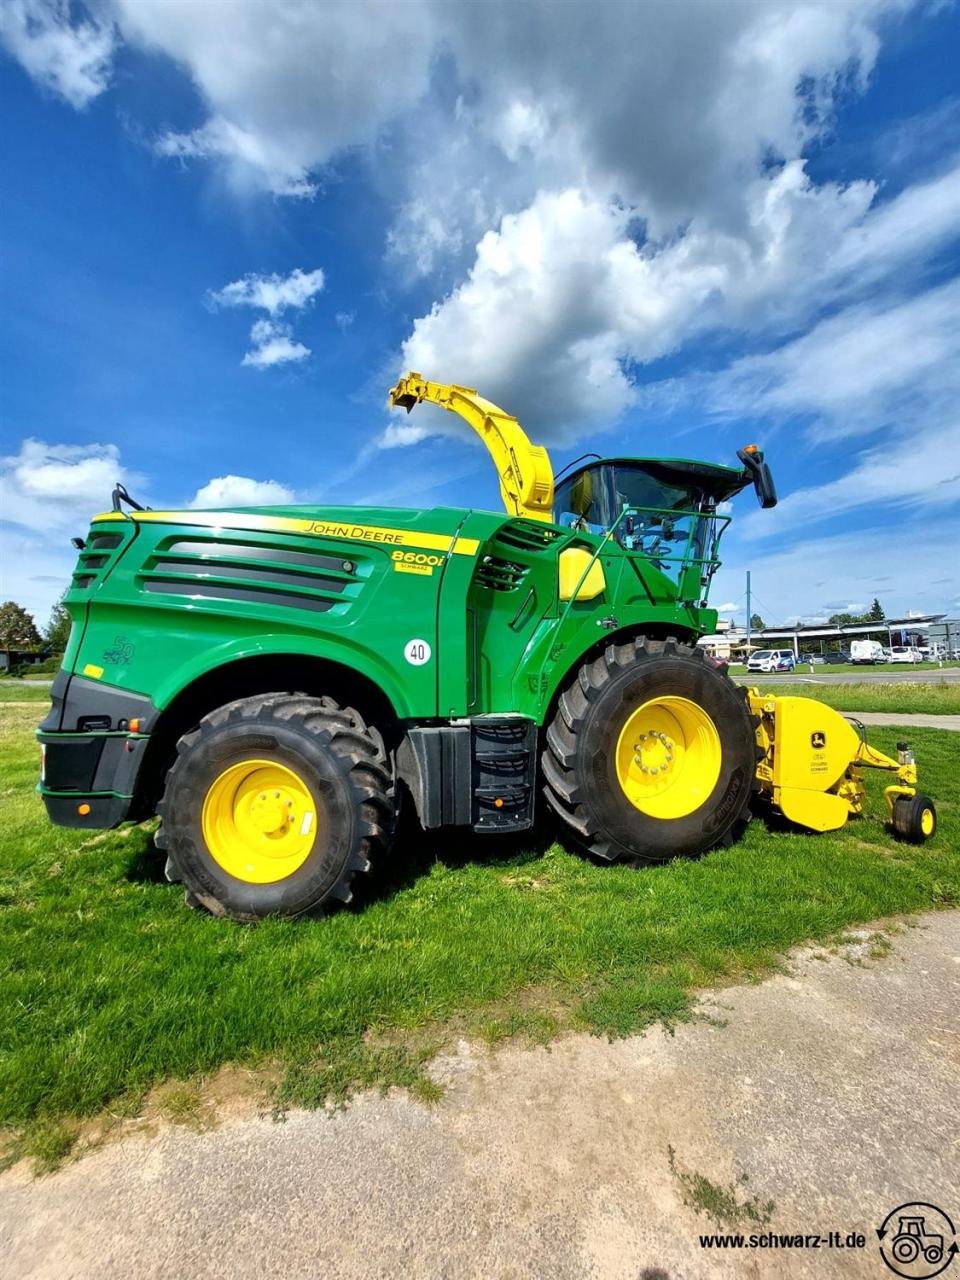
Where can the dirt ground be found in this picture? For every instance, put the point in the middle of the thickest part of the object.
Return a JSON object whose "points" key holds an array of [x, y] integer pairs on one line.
{"points": [[816, 1101]]}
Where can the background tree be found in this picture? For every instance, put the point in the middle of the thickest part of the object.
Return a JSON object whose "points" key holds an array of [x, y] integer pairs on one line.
{"points": [[756, 622], [17, 627], [57, 631], [876, 613]]}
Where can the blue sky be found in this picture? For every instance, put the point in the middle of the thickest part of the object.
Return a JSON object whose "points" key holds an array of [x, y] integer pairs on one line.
{"points": [[662, 228]]}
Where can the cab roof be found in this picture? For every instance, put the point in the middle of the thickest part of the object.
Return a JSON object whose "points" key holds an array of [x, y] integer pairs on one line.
{"points": [[712, 478]]}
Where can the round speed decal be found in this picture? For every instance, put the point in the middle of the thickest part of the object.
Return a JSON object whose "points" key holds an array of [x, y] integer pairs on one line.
{"points": [[417, 652]]}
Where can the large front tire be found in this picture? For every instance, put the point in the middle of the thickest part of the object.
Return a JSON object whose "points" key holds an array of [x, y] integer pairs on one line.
{"points": [[651, 754], [274, 804]]}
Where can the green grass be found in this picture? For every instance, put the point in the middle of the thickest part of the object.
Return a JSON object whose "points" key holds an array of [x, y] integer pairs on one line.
{"points": [[17, 691], [723, 1205], [929, 699], [110, 986]]}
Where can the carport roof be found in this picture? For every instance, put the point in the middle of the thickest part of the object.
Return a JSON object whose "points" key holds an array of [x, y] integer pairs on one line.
{"points": [[920, 621]]}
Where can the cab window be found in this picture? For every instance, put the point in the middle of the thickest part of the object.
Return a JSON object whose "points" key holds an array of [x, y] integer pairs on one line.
{"points": [[581, 502]]}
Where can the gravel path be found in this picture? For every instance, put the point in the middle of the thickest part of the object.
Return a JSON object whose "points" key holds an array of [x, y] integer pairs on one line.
{"points": [[906, 718]]}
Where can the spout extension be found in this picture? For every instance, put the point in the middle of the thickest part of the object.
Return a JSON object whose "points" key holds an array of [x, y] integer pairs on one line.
{"points": [[524, 468]]}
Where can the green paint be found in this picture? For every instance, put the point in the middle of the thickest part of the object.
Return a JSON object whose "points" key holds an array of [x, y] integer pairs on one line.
{"points": [[168, 606], [160, 600]]}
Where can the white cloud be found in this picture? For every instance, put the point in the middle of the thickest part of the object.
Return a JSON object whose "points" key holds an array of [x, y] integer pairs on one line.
{"points": [[48, 492], [816, 574], [288, 86], [889, 370], [690, 99], [241, 491], [69, 58], [273, 344], [679, 163], [273, 294], [55, 485], [273, 341], [869, 366], [397, 435], [562, 297], [920, 469], [729, 607], [247, 155], [670, 107]]}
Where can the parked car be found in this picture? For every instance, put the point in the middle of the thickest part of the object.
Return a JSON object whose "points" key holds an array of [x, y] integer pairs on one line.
{"points": [[771, 660], [815, 659], [835, 656], [905, 653]]}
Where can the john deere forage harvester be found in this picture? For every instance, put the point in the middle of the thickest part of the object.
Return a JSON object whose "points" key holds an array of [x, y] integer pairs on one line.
{"points": [[272, 680]]}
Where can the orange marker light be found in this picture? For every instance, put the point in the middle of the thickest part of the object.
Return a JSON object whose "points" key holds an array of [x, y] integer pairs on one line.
{"points": [[83, 810], [135, 725], [498, 803], [751, 448]]}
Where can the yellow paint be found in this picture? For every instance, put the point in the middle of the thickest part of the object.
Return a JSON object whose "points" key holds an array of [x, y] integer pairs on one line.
{"points": [[816, 810], [94, 672], [259, 821], [314, 528], [573, 565], [814, 745], [813, 762], [927, 822], [524, 468], [668, 757]]}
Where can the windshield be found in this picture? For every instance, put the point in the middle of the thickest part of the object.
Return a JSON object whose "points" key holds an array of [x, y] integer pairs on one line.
{"points": [[658, 512], [651, 508]]}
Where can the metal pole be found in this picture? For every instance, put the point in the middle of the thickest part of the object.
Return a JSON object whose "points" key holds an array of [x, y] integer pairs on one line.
{"points": [[749, 619]]}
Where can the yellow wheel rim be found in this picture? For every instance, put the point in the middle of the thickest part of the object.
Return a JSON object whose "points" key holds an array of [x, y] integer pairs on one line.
{"points": [[927, 822], [668, 757], [259, 821]]}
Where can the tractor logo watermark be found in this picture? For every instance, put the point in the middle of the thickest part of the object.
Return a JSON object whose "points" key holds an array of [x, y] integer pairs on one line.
{"points": [[818, 740], [917, 1240]]}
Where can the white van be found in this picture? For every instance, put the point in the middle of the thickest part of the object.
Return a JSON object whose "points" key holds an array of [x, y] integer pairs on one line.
{"points": [[867, 651], [771, 660]]}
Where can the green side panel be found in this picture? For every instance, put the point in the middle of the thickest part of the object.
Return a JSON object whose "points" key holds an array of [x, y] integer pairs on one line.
{"points": [[450, 612], [182, 598]]}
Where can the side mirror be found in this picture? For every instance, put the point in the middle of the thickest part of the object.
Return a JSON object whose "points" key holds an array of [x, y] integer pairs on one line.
{"points": [[759, 472]]}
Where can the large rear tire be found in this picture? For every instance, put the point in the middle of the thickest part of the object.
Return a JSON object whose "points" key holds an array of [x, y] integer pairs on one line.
{"points": [[651, 754], [274, 804]]}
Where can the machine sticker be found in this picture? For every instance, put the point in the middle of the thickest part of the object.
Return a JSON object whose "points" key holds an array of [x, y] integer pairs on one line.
{"points": [[417, 652], [92, 670], [318, 528], [818, 740], [120, 654], [415, 562], [306, 822]]}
